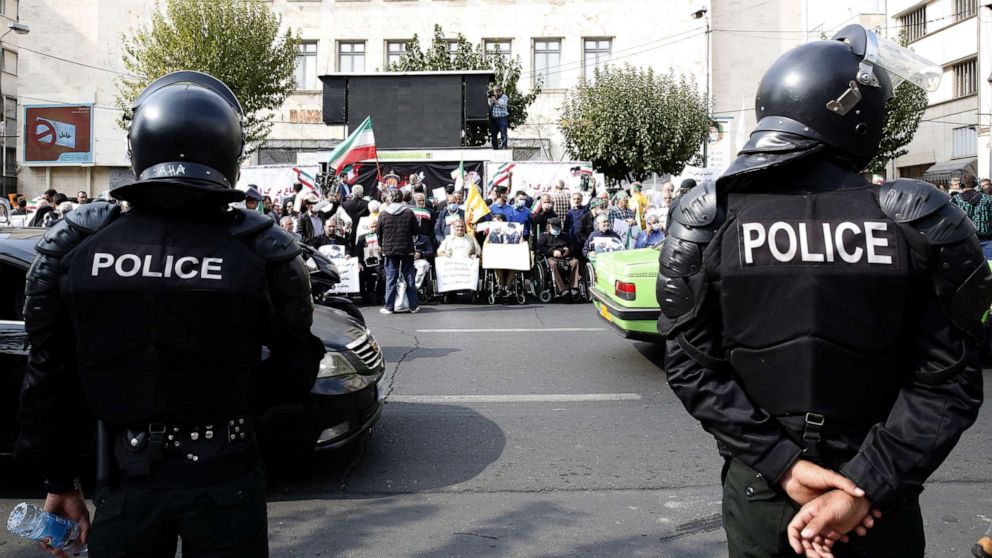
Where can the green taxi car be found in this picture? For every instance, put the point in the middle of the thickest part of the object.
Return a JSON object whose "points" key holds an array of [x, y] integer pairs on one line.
{"points": [[624, 291]]}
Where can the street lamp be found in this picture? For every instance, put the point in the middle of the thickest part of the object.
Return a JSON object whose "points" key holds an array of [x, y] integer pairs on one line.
{"points": [[701, 14], [20, 29]]}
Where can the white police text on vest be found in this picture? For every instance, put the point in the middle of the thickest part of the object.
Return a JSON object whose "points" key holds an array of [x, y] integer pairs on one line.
{"points": [[182, 267], [818, 243]]}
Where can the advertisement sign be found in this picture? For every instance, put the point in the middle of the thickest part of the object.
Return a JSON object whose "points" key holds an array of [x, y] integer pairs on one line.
{"points": [[58, 135], [456, 274]]}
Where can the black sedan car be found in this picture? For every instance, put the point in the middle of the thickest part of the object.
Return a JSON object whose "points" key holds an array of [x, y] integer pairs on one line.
{"points": [[342, 405]]}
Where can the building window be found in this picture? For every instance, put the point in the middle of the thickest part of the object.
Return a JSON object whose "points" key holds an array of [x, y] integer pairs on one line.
{"points": [[547, 62], [915, 23], [394, 51], [452, 50], [306, 66], [964, 9], [10, 115], [595, 52], [502, 46], [10, 62], [914, 171], [351, 56], [964, 141], [965, 77]]}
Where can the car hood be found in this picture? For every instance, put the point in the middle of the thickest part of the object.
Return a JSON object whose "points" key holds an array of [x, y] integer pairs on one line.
{"points": [[632, 264], [336, 328]]}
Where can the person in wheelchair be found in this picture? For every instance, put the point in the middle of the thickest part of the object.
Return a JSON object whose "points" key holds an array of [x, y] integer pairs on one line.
{"points": [[554, 247], [423, 258], [458, 244], [499, 234], [371, 270]]}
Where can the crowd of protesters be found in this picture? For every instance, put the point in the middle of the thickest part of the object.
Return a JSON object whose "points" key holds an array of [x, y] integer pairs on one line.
{"points": [[395, 233]]}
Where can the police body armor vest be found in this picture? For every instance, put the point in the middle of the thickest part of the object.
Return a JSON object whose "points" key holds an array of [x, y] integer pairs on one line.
{"points": [[812, 293], [185, 346], [816, 289]]}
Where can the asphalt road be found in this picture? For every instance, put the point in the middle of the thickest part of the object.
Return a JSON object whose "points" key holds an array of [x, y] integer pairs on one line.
{"points": [[535, 431]]}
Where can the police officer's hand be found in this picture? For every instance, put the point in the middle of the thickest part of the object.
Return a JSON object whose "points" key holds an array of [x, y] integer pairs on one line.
{"points": [[825, 520], [806, 480], [71, 505]]}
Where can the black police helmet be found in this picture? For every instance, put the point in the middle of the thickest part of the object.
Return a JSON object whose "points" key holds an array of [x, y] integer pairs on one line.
{"points": [[186, 135], [829, 92]]}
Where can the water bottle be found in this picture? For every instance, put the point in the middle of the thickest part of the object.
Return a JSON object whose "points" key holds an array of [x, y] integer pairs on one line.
{"points": [[31, 522]]}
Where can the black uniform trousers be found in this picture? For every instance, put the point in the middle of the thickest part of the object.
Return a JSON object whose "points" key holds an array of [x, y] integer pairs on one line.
{"points": [[756, 514], [225, 520]]}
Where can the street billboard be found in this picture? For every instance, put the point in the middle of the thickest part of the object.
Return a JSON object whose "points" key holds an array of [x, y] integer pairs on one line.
{"points": [[58, 135]]}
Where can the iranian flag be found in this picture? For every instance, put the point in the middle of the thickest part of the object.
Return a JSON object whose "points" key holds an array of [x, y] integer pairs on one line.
{"points": [[585, 168], [459, 176], [501, 175], [421, 213], [304, 178], [360, 146]]}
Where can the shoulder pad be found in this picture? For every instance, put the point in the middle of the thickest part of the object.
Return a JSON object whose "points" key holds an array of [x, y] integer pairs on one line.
{"points": [[276, 245], [697, 207], [907, 200], [947, 225], [43, 276], [680, 258], [692, 234], [91, 217], [59, 239], [246, 223]]}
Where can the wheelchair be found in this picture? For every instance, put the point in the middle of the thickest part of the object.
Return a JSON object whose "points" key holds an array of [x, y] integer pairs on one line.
{"points": [[544, 281], [427, 287], [516, 288]]}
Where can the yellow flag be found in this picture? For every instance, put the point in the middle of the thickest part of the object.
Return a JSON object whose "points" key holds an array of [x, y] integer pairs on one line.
{"points": [[475, 207]]}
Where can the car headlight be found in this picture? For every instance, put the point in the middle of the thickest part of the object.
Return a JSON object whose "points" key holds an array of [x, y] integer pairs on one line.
{"points": [[334, 364]]}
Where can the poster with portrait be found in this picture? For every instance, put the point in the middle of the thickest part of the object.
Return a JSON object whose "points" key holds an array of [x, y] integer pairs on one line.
{"points": [[504, 233]]}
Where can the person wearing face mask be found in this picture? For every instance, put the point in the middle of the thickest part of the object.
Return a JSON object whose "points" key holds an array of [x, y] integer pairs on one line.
{"points": [[543, 213], [520, 212], [652, 234], [553, 245], [603, 230], [446, 218], [499, 206]]}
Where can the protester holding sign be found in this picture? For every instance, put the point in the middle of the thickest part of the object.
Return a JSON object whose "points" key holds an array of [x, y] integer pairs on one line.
{"points": [[602, 239]]}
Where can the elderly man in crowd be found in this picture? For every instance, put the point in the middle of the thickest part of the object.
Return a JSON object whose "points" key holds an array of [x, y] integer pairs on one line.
{"points": [[356, 208], [621, 211], [652, 234], [554, 246], [288, 224], [458, 244], [603, 231], [573, 223], [310, 222], [543, 213]]}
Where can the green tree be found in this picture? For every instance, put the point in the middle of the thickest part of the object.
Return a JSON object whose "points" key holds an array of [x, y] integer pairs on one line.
{"points": [[902, 118], [236, 41], [631, 122], [460, 54]]}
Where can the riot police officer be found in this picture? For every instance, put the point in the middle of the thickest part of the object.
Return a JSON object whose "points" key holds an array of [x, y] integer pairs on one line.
{"points": [[822, 329], [154, 321]]}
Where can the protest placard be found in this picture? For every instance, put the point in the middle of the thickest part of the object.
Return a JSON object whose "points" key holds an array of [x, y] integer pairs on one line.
{"points": [[348, 271], [506, 256], [456, 274]]}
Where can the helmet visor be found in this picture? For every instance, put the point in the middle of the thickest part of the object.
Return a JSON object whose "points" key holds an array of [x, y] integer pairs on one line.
{"points": [[904, 64]]}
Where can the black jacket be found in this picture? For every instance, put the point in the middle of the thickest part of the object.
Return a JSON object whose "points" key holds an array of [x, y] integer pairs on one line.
{"points": [[848, 315], [396, 230], [356, 209], [145, 317], [547, 243]]}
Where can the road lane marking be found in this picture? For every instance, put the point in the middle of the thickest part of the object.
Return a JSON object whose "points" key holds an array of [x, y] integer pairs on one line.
{"points": [[511, 330], [525, 398]]}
